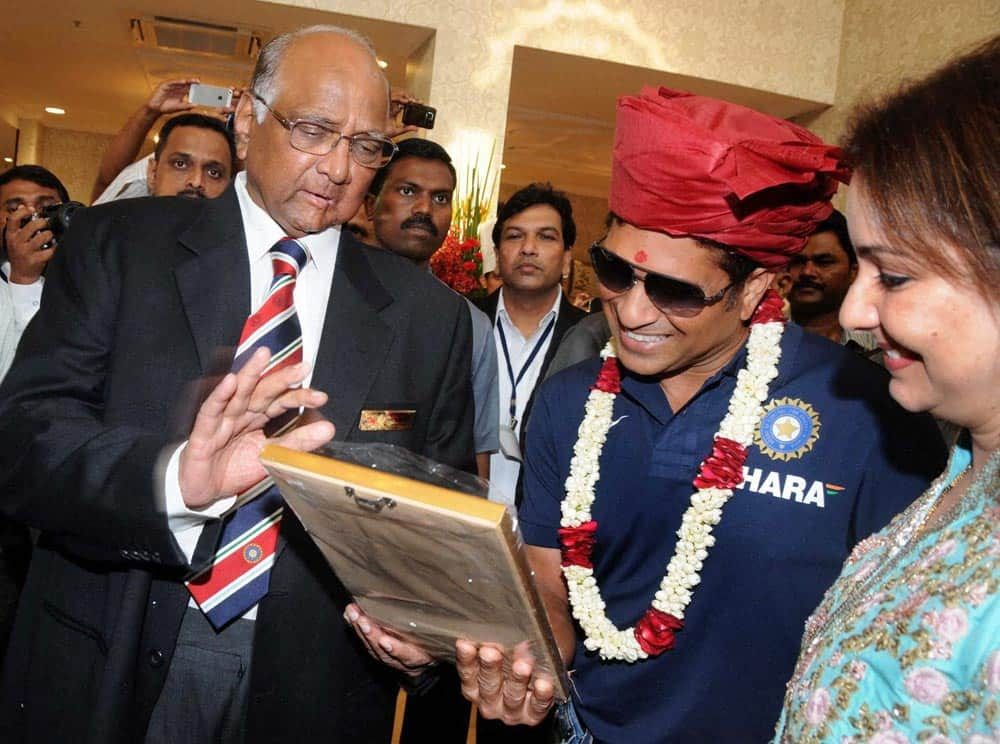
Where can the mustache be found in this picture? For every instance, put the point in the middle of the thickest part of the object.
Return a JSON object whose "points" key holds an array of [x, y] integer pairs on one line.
{"points": [[420, 220], [807, 284], [192, 193]]}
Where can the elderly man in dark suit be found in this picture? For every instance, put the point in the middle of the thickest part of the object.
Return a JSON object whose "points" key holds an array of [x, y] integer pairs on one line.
{"points": [[113, 447]]}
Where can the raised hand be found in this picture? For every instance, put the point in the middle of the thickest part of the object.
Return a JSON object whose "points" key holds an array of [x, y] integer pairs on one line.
{"points": [[398, 98], [221, 457], [170, 97]]}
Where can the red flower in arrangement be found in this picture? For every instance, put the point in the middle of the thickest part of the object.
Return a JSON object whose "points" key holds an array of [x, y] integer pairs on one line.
{"points": [[769, 309], [578, 543], [459, 264], [655, 631], [724, 467], [609, 379]]}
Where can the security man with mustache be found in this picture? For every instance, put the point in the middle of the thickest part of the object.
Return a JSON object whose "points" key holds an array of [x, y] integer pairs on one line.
{"points": [[821, 275], [409, 207]]}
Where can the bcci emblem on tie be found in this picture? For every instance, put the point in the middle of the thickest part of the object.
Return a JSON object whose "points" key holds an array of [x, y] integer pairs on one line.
{"points": [[788, 429], [252, 553]]}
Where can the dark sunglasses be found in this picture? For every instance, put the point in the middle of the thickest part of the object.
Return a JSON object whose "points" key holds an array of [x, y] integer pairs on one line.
{"points": [[669, 295]]}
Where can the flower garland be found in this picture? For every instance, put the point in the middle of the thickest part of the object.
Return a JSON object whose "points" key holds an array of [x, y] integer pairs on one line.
{"points": [[718, 475]]}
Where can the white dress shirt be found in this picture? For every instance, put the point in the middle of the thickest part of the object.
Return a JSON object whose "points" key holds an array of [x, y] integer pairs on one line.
{"points": [[503, 469], [128, 184], [312, 292], [18, 305]]}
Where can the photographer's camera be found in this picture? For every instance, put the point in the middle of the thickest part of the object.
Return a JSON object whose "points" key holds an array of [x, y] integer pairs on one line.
{"points": [[57, 218]]}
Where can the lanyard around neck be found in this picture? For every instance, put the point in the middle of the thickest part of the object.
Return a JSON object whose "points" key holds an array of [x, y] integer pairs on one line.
{"points": [[515, 381]]}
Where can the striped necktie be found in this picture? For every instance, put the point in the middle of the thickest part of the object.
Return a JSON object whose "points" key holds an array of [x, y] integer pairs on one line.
{"points": [[239, 574]]}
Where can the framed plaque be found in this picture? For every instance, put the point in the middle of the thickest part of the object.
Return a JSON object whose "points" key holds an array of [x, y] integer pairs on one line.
{"points": [[427, 561]]}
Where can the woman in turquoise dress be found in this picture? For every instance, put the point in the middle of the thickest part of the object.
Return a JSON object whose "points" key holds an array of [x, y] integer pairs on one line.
{"points": [[905, 646]]}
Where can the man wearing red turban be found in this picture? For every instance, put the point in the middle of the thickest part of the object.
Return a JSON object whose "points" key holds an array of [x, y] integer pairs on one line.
{"points": [[688, 499]]}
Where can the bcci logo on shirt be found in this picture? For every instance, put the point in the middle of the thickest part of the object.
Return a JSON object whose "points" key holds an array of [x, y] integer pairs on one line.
{"points": [[788, 429]]}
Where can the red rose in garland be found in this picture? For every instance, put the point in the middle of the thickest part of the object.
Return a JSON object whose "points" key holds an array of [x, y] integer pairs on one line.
{"points": [[769, 309], [577, 544], [655, 631], [724, 467]]}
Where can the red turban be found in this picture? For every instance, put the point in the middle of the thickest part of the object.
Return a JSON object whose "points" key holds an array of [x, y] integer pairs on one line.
{"points": [[691, 166]]}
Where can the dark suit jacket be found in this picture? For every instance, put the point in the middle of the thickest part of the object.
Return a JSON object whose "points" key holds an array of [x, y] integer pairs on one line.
{"points": [[144, 300]]}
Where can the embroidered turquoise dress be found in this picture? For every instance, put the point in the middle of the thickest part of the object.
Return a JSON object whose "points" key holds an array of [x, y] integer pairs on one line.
{"points": [[905, 646]]}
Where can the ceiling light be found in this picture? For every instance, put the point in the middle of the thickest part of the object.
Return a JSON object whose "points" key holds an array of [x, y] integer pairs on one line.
{"points": [[54, 110], [8, 160], [382, 63]]}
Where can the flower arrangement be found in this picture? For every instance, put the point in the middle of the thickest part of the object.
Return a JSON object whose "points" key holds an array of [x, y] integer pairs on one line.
{"points": [[459, 261], [459, 264]]}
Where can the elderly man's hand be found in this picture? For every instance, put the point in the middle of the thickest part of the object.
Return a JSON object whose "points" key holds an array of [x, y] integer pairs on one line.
{"points": [[390, 649], [505, 688], [222, 454]]}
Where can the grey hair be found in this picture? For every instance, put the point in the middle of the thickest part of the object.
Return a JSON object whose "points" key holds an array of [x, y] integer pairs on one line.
{"points": [[264, 82]]}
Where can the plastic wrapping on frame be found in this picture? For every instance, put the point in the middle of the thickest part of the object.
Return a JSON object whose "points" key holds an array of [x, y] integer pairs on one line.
{"points": [[421, 549]]}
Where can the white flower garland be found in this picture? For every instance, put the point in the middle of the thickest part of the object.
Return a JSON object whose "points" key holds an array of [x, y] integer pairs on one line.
{"points": [[695, 533]]}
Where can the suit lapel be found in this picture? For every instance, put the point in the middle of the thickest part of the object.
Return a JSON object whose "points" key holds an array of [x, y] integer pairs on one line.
{"points": [[214, 281], [355, 338], [568, 316]]}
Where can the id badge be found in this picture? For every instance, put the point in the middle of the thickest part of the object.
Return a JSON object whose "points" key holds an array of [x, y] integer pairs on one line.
{"points": [[508, 443]]}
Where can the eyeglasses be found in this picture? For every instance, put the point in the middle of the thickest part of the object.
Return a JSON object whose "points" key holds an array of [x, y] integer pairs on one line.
{"points": [[669, 295], [369, 150]]}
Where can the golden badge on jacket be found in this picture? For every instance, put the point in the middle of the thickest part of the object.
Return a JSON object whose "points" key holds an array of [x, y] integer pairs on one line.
{"points": [[386, 420]]}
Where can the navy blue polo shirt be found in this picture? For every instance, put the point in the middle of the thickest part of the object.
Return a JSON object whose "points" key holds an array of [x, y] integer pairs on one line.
{"points": [[834, 459]]}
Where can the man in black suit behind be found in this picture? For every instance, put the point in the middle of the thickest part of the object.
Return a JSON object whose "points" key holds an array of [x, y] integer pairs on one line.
{"points": [[111, 448]]}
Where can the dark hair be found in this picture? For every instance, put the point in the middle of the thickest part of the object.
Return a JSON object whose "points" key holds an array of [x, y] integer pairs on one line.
{"points": [[737, 266], [929, 165], [200, 121], [836, 223], [414, 147], [531, 195], [37, 175]]}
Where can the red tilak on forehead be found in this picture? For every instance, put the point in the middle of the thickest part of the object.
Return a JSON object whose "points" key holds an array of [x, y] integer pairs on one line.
{"points": [[640, 257]]}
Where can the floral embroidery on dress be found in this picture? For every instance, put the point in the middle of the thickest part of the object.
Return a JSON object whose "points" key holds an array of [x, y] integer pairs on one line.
{"points": [[905, 646], [926, 685]]}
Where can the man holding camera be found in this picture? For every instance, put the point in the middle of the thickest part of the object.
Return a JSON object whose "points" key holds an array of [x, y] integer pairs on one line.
{"points": [[28, 244], [200, 134], [25, 192]]}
